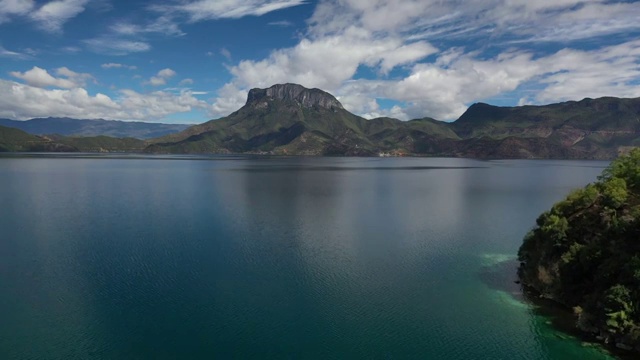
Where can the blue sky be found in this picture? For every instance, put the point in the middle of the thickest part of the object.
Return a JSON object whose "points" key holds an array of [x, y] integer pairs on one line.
{"points": [[188, 61]]}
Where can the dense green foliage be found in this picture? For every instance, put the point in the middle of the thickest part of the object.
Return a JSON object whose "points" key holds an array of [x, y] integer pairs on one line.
{"points": [[17, 140], [102, 143], [12, 139], [585, 251]]}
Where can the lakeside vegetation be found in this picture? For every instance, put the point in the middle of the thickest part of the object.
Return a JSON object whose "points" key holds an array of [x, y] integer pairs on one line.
{"points": [[585, 254]]}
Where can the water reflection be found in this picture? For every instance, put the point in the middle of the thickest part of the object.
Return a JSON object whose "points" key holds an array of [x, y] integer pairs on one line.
{"points": [[244, 257]]}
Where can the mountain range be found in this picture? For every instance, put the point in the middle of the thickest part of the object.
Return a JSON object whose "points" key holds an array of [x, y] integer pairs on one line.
{"points": [[99, 127], [289, 119]]}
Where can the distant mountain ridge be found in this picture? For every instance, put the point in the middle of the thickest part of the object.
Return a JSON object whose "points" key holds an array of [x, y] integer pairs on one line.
{"points": [[290, 119], [16, 140], [94, 127]]}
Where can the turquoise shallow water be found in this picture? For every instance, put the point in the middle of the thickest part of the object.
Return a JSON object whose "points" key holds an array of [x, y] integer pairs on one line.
{"points": [[295, 258]]}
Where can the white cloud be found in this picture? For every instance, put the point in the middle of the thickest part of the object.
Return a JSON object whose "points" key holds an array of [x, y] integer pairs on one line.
{"points": [[163, 25], [328, 61], [445, 88], [487, 21], [229, 99], [71, 49], [39, 77], [325, 63], [9, 8], [345, 35], [226, 53], [611, 71], [158, 104], [118, 66], [166, 73], [80, 79], [591, 19], [31, 52], [12, 54], [21, 101], [162, 77], [200, 10], [157, 81], [281, 23], [54, 14], [116, 46], [184, 82]]}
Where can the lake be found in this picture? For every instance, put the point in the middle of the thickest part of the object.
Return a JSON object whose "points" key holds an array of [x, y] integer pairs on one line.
{"points": [[289, 258]]}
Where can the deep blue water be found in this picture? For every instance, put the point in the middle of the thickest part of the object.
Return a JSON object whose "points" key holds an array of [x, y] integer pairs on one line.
{"points": [[231, 257]]}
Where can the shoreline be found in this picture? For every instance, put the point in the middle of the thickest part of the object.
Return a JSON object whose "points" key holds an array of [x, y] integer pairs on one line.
{"points": [[564, 319]]}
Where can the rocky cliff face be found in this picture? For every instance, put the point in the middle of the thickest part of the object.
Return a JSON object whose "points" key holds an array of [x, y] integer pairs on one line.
{"points": [[308, 98]]}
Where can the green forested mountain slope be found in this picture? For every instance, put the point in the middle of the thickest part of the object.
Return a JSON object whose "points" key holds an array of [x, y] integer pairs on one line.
{"points": [[290, 119], [15, 140], [12, 140]]}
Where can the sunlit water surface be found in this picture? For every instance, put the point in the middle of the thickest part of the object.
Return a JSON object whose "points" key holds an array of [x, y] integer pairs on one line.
{"points": [[128, 257]]}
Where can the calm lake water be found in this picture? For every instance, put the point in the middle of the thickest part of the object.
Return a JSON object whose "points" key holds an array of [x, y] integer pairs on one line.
{"points": [[292, 258]]}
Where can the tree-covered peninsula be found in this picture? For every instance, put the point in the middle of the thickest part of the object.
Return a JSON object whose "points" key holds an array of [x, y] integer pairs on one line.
{"points": [[585, 253]]}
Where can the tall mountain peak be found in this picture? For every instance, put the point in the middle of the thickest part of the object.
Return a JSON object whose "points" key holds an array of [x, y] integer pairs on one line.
{"points": [[294, 92]]}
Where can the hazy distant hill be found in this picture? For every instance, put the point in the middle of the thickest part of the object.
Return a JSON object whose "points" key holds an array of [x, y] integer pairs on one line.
{"points": [[290, 119], [80, 127]]}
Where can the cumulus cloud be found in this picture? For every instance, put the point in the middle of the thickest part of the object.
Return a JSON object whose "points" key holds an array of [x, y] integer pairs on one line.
{"points": [[325, 63], [384, 35], [22, 101], [80, 79], [162, 77], [39, 77], [328, 61], [443, 89]]}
